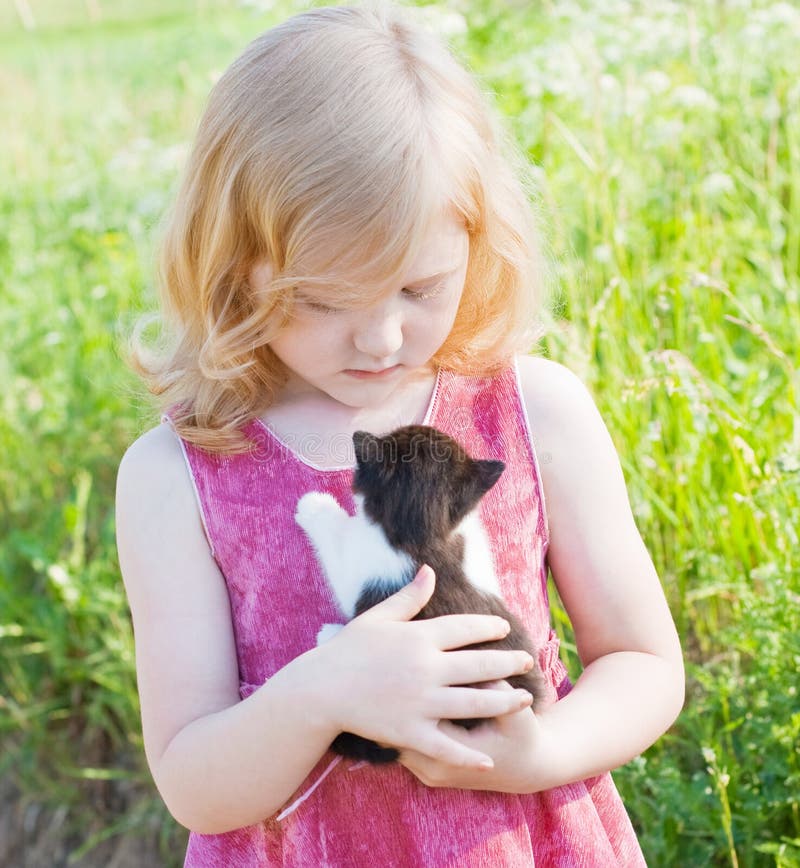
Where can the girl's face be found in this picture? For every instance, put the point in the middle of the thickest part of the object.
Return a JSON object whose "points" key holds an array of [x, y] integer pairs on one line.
{"points": [[359, 357]]}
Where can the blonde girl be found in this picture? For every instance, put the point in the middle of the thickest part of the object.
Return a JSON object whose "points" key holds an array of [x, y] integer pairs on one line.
{"points": [[352, 248]]}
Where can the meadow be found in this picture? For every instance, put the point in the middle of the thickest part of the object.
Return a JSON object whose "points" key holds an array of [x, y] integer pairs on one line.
{"points": [[664, 144]]}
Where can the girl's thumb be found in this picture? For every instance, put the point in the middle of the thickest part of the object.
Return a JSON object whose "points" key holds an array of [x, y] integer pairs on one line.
{"points": [[408, 601]]}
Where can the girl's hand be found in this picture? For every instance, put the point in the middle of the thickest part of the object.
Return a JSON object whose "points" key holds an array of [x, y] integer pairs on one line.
{"points": [[516, 742], [390, 679]]}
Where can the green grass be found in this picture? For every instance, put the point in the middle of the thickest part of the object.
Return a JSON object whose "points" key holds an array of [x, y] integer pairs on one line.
{"points": [[667, 140]]}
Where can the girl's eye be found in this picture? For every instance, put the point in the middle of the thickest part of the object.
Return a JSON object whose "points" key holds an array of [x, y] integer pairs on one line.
{"points": [[317, 306], [423, 293]]}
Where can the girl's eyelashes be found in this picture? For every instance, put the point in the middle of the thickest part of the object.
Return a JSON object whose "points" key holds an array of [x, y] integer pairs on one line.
{"points": [[423, 293], [415, 293], [316, 306]]}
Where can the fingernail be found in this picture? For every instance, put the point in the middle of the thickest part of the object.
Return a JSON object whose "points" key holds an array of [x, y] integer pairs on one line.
{"points": [[486, 764], [424, 574], [524, 698], [529, 664]]}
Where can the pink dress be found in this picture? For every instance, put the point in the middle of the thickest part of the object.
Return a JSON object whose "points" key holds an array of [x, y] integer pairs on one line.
{"points": [[352, 814]]}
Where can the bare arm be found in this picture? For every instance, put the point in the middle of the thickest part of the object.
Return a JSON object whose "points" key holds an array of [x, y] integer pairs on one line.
{"points": [[632, 685], [221, 763], [199, 738]]}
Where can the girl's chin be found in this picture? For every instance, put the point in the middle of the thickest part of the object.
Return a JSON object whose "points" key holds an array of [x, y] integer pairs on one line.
{"points": [[347, 389]]}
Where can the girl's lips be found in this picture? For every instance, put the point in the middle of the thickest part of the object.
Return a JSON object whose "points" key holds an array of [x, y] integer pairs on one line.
{"points": [[371, 375]]}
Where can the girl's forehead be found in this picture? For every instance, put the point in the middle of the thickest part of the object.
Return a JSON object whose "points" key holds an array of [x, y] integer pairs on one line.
{"points": [[447, 232], [442, 253], [443, 247]]}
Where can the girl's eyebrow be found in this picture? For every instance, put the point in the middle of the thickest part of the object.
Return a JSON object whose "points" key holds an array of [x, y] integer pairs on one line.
{"points": [[433, 278]]}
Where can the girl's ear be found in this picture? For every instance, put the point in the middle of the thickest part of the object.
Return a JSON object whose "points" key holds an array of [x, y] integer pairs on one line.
{"points": [[367, 447], [260, 274]]}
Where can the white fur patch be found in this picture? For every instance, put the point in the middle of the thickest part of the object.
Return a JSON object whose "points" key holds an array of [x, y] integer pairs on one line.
{"points": [[327, 632], [352, 550], [478, 564]]}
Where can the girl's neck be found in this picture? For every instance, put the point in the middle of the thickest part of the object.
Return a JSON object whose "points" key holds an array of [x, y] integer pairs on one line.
{"points": [[319, 429]]}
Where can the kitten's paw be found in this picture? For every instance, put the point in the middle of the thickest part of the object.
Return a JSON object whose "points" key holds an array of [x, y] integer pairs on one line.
{"points": [[327, 632], [312, 506]]}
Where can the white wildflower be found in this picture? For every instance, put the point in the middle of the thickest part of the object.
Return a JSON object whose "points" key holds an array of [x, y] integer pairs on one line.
{"points": [[656, 81], [258, 6], [717, 184], [444, 22], [61, 579], [781, 14], [609, 83], [693, 96], [603, 253]]}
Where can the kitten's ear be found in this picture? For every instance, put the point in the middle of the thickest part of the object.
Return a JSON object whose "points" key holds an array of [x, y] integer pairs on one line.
{"points": [[367, 447], [487, 473], [483, 475]]}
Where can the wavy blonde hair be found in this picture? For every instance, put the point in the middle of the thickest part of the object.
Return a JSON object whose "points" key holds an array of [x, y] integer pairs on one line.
{"points": [[326, 150]]}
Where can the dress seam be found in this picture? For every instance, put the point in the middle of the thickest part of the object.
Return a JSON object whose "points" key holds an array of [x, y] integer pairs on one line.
{"points": [[190, 469], [433, 405], [534, 457], [286, 449]]}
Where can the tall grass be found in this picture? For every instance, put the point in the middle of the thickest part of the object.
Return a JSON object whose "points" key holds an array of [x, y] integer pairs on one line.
{"points": [[667, 141]]}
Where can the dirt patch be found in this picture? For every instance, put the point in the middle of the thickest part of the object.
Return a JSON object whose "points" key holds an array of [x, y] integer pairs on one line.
{"points": [[34, 834]]}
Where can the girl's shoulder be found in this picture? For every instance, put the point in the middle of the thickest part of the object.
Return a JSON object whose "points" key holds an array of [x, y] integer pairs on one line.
{"points": [[552, 393], [574, 446], [581, 472], [154, 458], [154, 492], [567, 429]]}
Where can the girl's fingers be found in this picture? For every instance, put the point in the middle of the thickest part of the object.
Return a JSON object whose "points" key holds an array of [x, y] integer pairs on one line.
{"points": [[456, 631], [459, 703], [471, 667], [440, 747], [405, 603]]}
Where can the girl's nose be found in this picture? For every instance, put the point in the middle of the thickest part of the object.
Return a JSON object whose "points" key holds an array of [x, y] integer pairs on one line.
{"points": [[380, 334]]}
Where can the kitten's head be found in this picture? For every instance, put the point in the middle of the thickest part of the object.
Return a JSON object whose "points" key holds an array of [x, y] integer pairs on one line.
{"points": [[418, 483]]}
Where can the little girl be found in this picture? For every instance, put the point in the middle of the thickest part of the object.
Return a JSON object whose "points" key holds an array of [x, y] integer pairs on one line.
{"points": [[352, 249]]}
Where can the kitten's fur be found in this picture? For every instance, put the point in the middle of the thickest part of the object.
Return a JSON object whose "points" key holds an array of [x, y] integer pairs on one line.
{"points": [[416, 492]]}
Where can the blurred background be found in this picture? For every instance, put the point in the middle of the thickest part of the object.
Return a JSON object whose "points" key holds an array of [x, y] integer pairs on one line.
{"points": [[666, 143]]}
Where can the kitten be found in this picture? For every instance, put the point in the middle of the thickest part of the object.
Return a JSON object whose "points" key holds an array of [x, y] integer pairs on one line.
{"points": [[416, 493]]}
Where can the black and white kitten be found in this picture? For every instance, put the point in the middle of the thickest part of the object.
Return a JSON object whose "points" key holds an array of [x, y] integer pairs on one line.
{"points": [[416, 492]]}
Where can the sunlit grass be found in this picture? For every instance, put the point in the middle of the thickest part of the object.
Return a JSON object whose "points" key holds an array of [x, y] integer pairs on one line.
{"points": [[667, 144]]}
